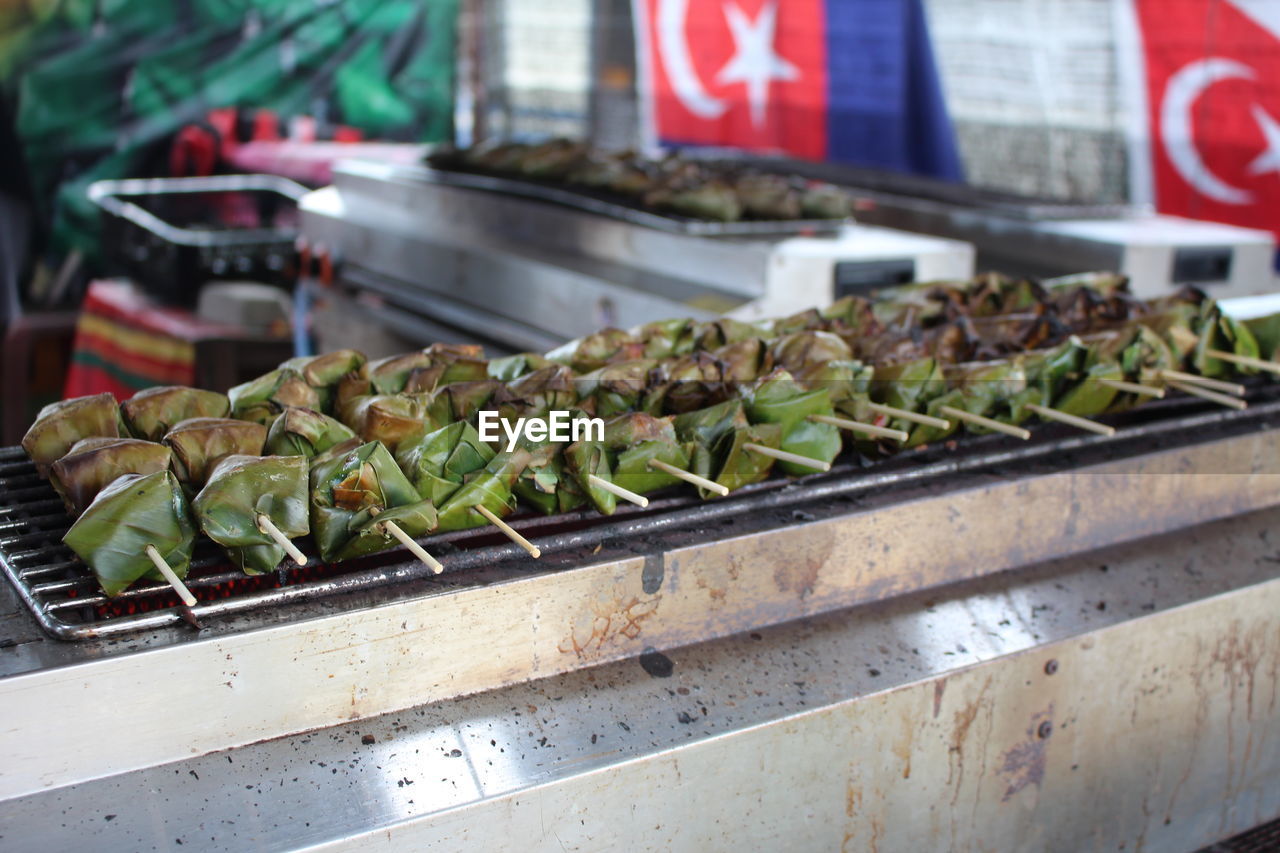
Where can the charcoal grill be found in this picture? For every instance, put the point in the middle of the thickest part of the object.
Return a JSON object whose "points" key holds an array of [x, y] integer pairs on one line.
{"points": [[960, 618], [65, 600]]}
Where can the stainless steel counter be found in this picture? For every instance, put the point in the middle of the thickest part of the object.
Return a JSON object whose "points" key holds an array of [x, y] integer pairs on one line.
{"points": [[1123, 696]]}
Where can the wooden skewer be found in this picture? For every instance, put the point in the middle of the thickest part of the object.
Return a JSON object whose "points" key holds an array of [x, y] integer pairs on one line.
{"points": [[1203, 381], [979, 420], [174, 581], [511, 534], [689, 477], [859, 427], [1133, 388], [1244, 360], [1072, 420], [407, 541], [615, 489], [786, 456], [1206, 394], [267, 526], [908, 415]]}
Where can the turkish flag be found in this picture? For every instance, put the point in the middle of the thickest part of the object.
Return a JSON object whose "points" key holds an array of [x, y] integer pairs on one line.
{"points": [[1213, 98], [849, 80]]}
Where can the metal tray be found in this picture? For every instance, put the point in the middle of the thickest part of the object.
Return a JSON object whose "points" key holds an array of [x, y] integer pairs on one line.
{"points": [[615, 207]]}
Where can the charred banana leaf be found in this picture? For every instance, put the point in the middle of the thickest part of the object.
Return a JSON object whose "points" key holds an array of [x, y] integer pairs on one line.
{"points": [[241, 488], [150, 413], [60, 425], [93, 463]]}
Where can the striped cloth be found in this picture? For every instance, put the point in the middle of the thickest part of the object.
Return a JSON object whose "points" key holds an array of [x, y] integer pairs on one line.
{"points": [[124, 342]]}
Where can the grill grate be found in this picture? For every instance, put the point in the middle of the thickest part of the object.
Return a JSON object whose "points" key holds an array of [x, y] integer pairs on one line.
{"points": [[64, 597]]}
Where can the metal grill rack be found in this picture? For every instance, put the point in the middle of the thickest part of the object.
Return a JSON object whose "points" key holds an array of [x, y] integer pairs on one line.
{"points": [[65, 600]]}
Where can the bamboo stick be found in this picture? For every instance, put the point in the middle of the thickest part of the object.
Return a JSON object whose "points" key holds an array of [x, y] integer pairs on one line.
{"points": [[397, 532], [1206, 394], [267, 526], [860, 427], [1133, 388], [1204, 381], [689, 477], [908, 415], [979, 420], [618, 491], [786, 456], [1071, 420], [174, 581], [1244, 360], [511, 534]]}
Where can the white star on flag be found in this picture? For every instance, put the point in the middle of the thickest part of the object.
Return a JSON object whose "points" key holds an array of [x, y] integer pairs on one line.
{"points": [[1268, 160], [754, 61]]}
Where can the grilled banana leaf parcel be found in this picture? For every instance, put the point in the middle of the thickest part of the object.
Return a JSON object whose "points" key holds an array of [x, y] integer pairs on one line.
{"points": [[622, 457], [304, 432], [437, 464], [716, 436], [60, 425], [150, 413], [544, 483], [779, 399], [198, 444], [1226, 334], [324, 371], [93, 463], [241, 488], [353, 492], [262, 400], [489, 487], [132, 512], [392, 418]]}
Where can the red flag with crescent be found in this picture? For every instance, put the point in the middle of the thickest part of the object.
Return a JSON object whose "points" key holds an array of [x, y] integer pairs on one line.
{"points": [[1212, 70]]}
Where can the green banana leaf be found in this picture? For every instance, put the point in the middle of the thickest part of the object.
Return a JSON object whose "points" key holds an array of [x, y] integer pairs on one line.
{"points": [[353, 492], [392, 418], [323, 371], [913, 386], [684, 384], [465, 399], [714, 334], [437, 464], [585, 458], [800, 350], [666, 338], [241, 488], [768, 196], [544, 484], [597, 349], [198, 444], [742, 361], [1266, 331], [262, 400], [779, 399], [151, 412], [60, 425], [707, 426], [825, 201], [535, 394], [92, 463], [132, 512], [739, 466], [1220, 332], [304, 432], [1089, 396], [512, 367], [489, 487], [615, 388]]}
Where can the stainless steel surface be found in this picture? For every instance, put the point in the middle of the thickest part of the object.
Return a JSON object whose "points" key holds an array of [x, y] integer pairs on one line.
{"points": [[912, 724], [415, 642], [64, 597], [602, 206]]}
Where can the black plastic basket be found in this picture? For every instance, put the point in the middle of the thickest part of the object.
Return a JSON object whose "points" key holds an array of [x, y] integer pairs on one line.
{"points": [[173, 234]]}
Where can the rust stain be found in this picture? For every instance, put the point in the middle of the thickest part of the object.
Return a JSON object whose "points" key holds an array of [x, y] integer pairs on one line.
{"points": [[611, 623], [1024, 762], [939, 687], [796, 570], [902, 746]]}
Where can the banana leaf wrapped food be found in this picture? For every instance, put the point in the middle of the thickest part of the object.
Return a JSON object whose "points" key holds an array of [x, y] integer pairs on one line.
{"points": [[354, 489], [323, 371], [262, 400], [537, 393], [304, 432], [490, 487], [198, 444], [132, 512], [779, 399], [1218, 331], [93, 463], [544, 483], [598, 349], [427, 369], [622, 456], [614, 388], [717, 435], [60, 425], [150, 413], [684, 384], [393, 418], [438, 462], [511, 367], [241, 488]]}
